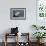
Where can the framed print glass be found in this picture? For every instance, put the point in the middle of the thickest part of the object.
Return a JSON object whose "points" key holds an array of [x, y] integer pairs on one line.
{"points": [[18, 13]]}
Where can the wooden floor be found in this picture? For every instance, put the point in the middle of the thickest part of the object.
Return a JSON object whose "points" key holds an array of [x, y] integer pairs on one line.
{"points": [[13, 44]]}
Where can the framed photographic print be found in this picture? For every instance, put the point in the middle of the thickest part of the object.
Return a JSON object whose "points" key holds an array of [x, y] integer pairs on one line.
{"points": [[41, 12], [41, 8], [17, 13]]}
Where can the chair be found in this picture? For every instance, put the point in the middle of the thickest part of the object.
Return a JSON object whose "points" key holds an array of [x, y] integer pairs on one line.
{"points": [[25, 43], [14, 32]]}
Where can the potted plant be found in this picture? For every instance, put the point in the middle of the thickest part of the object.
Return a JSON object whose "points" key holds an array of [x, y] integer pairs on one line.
{"points": [[39, 35]]}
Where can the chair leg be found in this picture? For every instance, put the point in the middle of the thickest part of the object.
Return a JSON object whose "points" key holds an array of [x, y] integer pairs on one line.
{"points": [[5, 43], [5, 39], [17, 39]]}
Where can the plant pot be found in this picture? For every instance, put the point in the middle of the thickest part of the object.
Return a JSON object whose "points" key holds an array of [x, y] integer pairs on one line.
{"points": [[40, 40]]}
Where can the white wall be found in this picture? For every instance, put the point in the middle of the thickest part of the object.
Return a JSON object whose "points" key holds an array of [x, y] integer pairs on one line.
{"points": [[24, 25]]}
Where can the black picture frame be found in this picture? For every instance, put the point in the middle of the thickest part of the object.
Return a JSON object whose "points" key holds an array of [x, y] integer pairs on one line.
{"points": [[17, 13]]}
